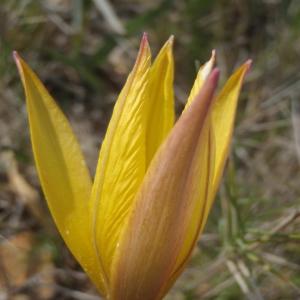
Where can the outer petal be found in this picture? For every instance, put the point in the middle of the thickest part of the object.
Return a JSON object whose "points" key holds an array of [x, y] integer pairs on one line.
{"points": [[160, 103], [202, 75], [196, 220], [221, 126], [62, 171], [164, 205], [121, 165]]}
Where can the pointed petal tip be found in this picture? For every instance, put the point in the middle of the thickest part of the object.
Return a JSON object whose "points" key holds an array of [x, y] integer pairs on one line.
{"points": [[18, 61], [214, 76], [16, 58], [144, 40], [15, 55], [213, 58], [213, 53], [171, 39], [248, 63], [168, 46], [144, 43], [144, 48], [209, 86]]}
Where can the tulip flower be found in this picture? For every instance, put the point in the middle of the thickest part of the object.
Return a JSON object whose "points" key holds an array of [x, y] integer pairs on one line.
{"points": [[133, 228]]}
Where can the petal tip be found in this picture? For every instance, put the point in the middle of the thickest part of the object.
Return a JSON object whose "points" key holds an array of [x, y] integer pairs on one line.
{"points": [[18, 62], [15, 55], [16, 58], [144, 45], [213, 54], [213, 58], [144, 40], [248, 63], [214, 76], [171, 39], [144, 49]]}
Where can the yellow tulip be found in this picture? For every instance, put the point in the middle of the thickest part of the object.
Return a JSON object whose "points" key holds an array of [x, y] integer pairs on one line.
{"points": [[133, 228]]}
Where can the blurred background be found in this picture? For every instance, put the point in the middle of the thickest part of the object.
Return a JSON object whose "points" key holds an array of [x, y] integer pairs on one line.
{"points": [[83, 51]]}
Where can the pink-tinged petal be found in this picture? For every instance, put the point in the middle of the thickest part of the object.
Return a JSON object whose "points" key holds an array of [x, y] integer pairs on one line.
{"points": [[202, 75], [221, 126], [175, 185]]}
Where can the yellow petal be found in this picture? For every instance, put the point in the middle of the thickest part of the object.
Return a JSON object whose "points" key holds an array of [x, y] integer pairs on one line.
{"points": [[121, 165], [158, 224], [62, 171], [202, 75], [223, 115], [160, 103]]}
